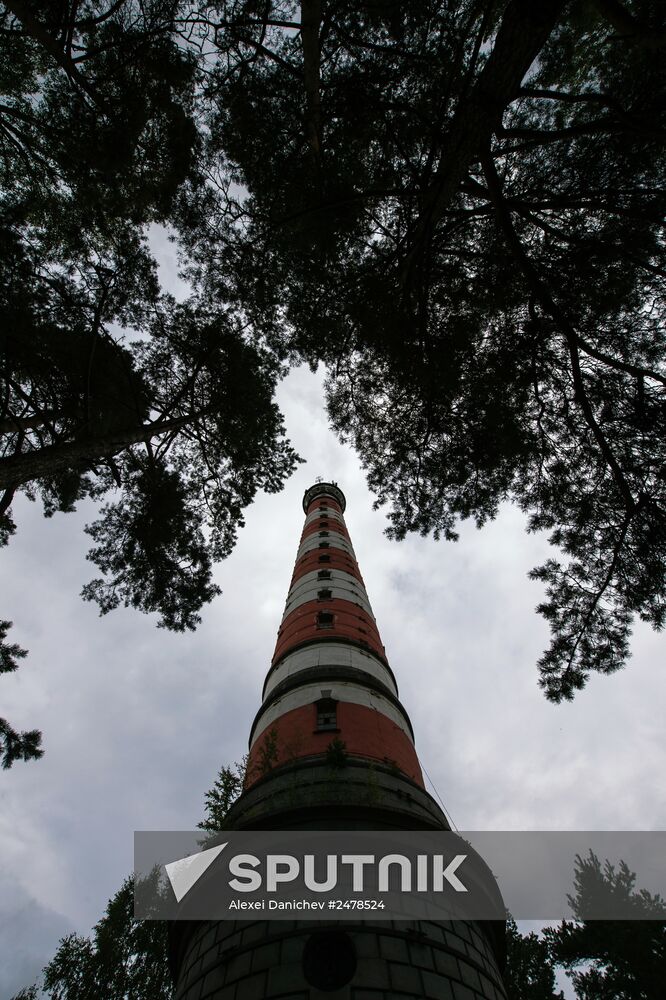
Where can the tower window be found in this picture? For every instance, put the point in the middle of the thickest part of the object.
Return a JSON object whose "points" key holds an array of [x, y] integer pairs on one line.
{"points": [[323, 534], [327, 714], [323, 574], [329, 960], [324, 619], [324, 545], [323, 523], [324, 595], [324, 558]]}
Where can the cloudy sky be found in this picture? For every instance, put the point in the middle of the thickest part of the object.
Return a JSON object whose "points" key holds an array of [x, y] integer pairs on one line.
{"points": [[137, 721]]}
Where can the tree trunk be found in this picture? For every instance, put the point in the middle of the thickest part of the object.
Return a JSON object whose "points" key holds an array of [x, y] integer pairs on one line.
{"points": [[522, 34], [18, 425], [80, 455]]}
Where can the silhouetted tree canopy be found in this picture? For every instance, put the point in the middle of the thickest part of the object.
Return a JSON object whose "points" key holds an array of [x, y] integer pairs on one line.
{"points": [[112, 389], [220, 798], [123, 959], [15, 745], [459, 207], [611, 959], [529, 972], [96, 111], [456, 206]]}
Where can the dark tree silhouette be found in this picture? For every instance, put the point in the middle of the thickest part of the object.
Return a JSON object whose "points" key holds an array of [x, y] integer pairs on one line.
{"points": [[220, 798], [529, 972], [14, 745], [611, 959], [178, 430], [96, 105], [458, 207], [124, 959]]}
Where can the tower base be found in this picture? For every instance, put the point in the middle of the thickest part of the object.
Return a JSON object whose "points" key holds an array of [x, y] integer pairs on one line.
{"points": [[390, 960], [329, 960]]}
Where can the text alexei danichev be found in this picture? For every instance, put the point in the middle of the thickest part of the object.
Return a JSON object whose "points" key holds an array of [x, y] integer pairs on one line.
{"points": [[277, 904]]}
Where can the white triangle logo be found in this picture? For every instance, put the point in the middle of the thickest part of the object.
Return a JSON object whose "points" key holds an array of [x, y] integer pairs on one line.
{"points": [[186, 871]]}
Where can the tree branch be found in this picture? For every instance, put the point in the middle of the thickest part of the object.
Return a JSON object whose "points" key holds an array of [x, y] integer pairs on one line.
{"points": [[310, 26], [617, 548], [13, 425], [523, 32], [542, 294], [36, 30], [58, 458], [630, 28]]}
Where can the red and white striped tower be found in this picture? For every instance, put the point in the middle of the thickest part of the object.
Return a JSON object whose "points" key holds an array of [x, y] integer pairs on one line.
{"points": [[329, 678], [332, 748]]}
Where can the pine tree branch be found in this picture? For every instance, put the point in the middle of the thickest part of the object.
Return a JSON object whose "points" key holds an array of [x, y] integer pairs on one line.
{"points": [[36, 30], [630, 28], [6, 501], [542, 294], [598, 594], [58, 458], [14, 425], [310, 27], [523, 32]]}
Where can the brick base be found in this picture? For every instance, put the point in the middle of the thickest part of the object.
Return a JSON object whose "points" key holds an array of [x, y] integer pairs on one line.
{"points": [[394, 961]]}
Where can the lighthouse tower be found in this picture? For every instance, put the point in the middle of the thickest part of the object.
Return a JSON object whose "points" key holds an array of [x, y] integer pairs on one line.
{"points": [[332, 747]]}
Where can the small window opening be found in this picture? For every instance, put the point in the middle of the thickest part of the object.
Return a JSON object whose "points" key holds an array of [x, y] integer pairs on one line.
{"points": [[324, 619], [323, 523], [327, 715], [324, 574], [323, 534], [324, 595], [324, 558], [324, 545], [329, 960]]}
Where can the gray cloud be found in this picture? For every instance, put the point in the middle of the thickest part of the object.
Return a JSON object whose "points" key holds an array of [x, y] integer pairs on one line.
{"points": [[28, 932]]}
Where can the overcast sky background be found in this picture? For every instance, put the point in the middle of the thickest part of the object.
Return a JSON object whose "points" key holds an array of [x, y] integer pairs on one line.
{"points": [[137, 721]]}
